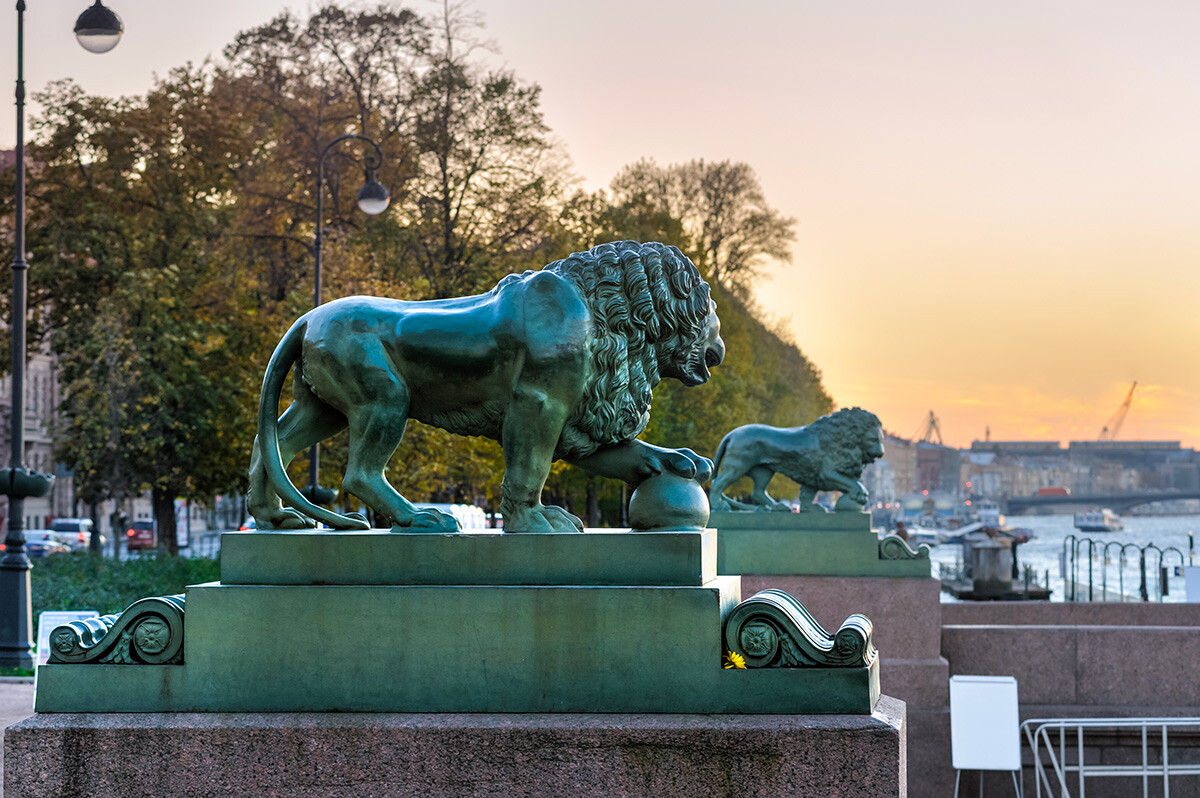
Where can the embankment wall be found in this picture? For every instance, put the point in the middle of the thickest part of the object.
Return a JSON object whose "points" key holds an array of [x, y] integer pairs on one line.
{"points": [[1082, 660]]}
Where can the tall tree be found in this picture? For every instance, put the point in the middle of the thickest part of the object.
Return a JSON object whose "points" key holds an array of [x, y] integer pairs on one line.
{"points": [[131, 199], [301, 84], [732, 232], [486, 171], [174, 232]]}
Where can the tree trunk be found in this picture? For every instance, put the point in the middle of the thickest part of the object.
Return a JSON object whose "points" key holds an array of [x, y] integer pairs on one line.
{"points": [[164, 520], [94, 541]]}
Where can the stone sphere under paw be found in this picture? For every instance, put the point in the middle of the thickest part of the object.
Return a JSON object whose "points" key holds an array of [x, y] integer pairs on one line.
{"points": [[667, 501]]}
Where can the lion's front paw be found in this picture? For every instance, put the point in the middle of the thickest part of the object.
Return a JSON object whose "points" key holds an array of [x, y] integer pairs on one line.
{"points": [[848, 503], [542, 518], [285, 518], [429, 520], [687, 464]]}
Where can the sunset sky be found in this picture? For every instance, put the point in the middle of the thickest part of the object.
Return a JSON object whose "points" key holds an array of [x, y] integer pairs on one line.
{"points": [[998, 204]]}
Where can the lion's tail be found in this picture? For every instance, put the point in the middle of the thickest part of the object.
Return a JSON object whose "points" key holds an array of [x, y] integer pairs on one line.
{"points": [[282, 360], [720, 455]]}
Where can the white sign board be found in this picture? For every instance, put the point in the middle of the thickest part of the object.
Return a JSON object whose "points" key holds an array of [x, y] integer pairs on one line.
{"points": [[1191, 583], [984, 723], [182, 530], [48, 620]]}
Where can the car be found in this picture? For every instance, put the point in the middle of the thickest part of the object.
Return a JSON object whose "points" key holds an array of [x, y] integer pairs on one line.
{"points": [[40, 542], [140, 535], [75, 532]]}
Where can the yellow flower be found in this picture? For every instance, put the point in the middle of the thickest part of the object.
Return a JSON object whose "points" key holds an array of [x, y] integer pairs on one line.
{"points": [[734, 660]]}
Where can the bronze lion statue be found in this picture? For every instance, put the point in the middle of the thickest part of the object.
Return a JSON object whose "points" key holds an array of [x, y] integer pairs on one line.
{"points": [[553, 364], [828, 454]]}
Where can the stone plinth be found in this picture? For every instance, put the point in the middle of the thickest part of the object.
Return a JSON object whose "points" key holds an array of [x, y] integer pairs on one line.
{"points": [[322, 637], [907, 616], [597, 557], [833, 544], [350, 755]]}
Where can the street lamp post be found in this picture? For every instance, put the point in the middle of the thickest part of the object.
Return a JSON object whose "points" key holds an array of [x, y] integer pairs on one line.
{"points": [[98, 29], [372, 200]]}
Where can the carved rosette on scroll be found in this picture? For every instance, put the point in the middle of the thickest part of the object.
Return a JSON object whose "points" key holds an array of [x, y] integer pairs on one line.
{"points": [[772, 629], [148, 632]]}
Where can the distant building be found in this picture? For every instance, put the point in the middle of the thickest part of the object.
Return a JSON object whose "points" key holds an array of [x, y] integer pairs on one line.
{"points": [[1121, 466], [938, 468], [42, 395], [894, 474]]}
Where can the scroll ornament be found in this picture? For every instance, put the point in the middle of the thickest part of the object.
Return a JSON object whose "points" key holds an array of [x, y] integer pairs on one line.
{"points": [[894, 547], [148, 632], [772, 629]]}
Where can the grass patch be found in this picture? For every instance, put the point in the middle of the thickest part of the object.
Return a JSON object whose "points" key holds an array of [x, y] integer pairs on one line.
{"points": [[85, 581], [15, 672]]}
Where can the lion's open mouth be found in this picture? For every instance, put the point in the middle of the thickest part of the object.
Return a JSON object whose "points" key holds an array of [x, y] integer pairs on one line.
{"points": [[701, 360]]}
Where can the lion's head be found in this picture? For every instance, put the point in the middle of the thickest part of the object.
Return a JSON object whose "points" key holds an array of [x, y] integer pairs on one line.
{"points": [[851, 438], [653, 317]]}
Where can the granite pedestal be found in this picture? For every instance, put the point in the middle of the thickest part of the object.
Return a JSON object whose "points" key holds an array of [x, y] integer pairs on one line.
{"points": [[346, 664], [452, 755], [832, 563]]}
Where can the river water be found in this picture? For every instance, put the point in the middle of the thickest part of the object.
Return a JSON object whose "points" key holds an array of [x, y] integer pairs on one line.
{"points": [[1044, 553]]}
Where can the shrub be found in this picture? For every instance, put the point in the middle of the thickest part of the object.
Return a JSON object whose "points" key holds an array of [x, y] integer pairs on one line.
{"points": [[85, 581]]}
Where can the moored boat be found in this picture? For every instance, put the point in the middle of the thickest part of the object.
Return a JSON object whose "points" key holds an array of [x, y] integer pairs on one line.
{"points": [[1099, 520]]}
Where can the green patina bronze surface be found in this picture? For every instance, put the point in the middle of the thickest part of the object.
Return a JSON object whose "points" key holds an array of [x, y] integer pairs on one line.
{"points": [[816, 544], [828, 454], [668, 501], [894, 547], [558, 363], [771, 629], [148, 632], [599, 557], [464, 647]]}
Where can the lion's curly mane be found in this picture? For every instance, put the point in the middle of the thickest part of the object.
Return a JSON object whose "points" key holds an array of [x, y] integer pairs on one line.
{"points": [[847, 429], [648, 303]]}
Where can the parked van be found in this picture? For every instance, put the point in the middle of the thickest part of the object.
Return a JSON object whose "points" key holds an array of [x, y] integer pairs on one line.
{"points": [[75, 532]]}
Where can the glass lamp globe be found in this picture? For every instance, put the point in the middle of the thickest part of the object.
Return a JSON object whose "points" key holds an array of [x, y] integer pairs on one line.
{"points": [[98, 29], [373, 197]]}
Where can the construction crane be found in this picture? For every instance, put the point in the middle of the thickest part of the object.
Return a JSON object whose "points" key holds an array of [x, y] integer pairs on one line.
{"points": [[1109, 433], [931, 429]]}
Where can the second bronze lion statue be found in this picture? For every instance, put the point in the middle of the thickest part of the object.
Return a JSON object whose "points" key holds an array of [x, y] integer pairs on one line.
{"points": [[828, 454], [558, 363]]}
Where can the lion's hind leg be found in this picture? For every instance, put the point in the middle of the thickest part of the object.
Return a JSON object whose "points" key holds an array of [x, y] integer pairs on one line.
{"points": [[376, 429], [807, 501], [725, 476], [761, 475], [307, 421]]}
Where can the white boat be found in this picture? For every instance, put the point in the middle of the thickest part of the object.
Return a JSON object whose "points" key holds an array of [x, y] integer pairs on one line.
{"points": [[1101, 520], [988, 513]]}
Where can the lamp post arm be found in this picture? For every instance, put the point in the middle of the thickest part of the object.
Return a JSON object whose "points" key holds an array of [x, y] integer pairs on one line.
{"points": [[373, 162]]}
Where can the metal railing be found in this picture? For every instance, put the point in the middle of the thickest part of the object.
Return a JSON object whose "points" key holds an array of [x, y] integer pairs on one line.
{"points": [[1067, 761], [1079, 553]]}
